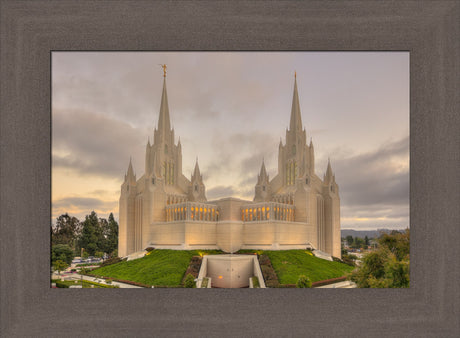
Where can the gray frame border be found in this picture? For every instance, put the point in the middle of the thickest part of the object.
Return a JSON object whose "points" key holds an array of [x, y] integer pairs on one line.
{"points": [[31, 29]]}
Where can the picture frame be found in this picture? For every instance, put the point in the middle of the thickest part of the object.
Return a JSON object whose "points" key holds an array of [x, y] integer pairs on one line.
{"points": [[31, 30]]}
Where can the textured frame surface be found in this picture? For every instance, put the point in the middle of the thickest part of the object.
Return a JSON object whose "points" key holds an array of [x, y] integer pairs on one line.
{"points": [[30, 30]]}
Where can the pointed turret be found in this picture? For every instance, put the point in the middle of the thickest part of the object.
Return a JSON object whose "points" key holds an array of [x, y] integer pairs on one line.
{"points": [[197, 188], [262, 188], [147, 157], [196, 172], [263, 176], [296, 119], [312, 157], [130, 176], [328, 176]]}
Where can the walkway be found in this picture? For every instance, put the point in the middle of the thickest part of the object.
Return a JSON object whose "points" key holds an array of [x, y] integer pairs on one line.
{"points": [[76, 276]]}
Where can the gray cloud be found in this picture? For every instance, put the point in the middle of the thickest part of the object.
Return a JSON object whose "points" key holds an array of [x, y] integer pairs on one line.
{"points": [[94, 144], [374, 178], [81, 206], [86, 204], [230, 109], [80, 202], [241, 153], [375, 184], [219, 192]]}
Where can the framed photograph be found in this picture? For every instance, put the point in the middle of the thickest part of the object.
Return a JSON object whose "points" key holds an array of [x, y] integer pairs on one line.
{"points": [[32, 33], [288, 200]]}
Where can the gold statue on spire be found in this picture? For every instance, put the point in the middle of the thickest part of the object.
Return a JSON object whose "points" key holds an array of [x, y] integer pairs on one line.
{"points": [[164, 69], [295, 74]]}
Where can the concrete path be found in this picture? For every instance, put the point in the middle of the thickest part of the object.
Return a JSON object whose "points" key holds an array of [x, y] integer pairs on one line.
{"points": [[340, 285], [76, 276]]}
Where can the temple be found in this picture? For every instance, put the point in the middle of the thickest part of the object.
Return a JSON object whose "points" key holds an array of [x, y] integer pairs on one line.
{"points": [[296, 209]]}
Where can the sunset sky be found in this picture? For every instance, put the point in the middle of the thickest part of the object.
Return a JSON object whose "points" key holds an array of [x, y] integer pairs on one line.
{"points": [[230, 110]]}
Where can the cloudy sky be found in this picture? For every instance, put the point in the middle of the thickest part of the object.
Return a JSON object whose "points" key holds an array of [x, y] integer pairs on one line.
{"points": [[230, 110]]}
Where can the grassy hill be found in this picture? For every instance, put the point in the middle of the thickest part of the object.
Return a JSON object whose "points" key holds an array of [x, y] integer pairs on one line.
{"points": [[159, 267], [290, 264], [167, 267]]}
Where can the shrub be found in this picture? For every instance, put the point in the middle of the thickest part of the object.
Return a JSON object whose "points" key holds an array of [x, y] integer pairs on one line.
{"points": [[255, 282], [59, 265], [303, 282], [60, 284], [189, 281], [110, 261], [328, 281], [269, 274], [84, 271]]}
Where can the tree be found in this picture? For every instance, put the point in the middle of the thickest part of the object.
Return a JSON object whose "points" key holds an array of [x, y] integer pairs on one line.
{"points": [[366, 241], [357, 243], [387, 267], [397, 242], [189, 281], [91, 238], [62, 252], [98, 234], [111, 236], [303, 282], [349, 240], [60, 265], [65, 231]]}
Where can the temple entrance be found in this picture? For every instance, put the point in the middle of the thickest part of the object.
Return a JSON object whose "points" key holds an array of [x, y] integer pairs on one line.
{"points": [[230, 271]]}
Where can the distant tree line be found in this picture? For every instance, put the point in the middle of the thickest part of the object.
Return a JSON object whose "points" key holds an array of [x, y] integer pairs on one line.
{"points": [[92, 237], [357, 242], [388, 266]]}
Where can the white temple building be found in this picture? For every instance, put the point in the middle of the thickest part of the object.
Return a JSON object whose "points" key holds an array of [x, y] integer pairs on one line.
{"points": [[295, 209]]}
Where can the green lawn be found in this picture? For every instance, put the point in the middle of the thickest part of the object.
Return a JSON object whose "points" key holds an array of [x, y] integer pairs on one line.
{"points": [[167, 267], [159, 267], [290, 264]]}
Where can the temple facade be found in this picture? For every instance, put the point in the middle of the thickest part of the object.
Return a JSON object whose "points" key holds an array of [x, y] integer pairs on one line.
{"points": [[295, 209]]}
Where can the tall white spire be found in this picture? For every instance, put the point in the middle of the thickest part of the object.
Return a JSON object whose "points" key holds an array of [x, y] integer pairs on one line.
{"points": [[296, 119], [164, 124]]}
